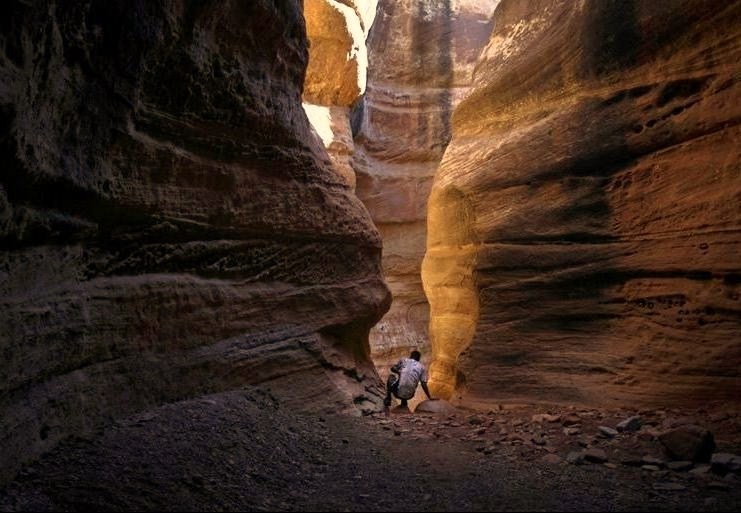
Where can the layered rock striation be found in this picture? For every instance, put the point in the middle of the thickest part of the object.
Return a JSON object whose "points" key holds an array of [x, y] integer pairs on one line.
{"points": [[421, 58], [169, 227], [584, 227]]}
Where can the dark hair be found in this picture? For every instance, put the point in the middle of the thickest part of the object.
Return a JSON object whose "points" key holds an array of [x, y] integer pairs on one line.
{"points": [[415, 355]]}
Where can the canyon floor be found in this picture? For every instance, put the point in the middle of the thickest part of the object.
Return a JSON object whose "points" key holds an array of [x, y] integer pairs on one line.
{"points": [[244, 450]]}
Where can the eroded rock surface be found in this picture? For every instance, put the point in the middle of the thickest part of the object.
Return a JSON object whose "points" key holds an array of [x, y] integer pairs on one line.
{"points": [[337, 73], [421, 59], [584, 226], [168, 225]]}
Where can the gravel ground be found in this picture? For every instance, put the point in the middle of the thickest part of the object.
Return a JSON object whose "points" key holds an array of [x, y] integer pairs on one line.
{"points": [[242, 450]]}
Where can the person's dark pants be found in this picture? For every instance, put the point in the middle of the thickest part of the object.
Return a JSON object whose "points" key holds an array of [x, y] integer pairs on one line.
{"points": [[392, 387]]}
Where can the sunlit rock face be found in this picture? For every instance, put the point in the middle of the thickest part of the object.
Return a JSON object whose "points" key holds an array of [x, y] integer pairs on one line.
{"points": [[421, 59], [584, 225], [337, 53], [169, 226], [336, 74]]}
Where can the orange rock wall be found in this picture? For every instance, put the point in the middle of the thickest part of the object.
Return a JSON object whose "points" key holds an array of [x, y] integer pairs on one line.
{"points": [[336, 74], [584, 227], [421, 59]]}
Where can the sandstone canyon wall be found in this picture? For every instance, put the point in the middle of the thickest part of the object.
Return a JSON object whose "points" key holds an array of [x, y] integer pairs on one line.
{"points": [[168, 225], [584, 234], [421, 57], [337, 72]]}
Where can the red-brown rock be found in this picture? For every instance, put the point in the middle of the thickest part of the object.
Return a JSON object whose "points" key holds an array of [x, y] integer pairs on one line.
{"points": [[169, 227], [336, 75], [583, 227], [437, 406], [688, 443], [421, 60]]}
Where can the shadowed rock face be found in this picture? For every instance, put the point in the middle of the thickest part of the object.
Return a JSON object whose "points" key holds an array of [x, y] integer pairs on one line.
{"points": [[584, 225], [168, 225], [421, 58]]}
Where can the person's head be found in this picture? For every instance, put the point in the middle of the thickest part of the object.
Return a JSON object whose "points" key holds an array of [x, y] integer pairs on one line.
{"points": [[415, 355]]}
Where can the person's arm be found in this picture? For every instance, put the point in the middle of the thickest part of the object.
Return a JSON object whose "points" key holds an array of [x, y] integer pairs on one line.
{"points": [[427, 391]]}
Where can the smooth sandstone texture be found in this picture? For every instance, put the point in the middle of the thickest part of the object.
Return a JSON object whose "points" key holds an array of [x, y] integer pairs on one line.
{"points": [[169, 227], [421, 59], [584, 227]]}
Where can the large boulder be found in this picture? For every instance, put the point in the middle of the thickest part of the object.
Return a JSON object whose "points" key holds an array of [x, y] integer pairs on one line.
{"points": [[688, 443]]}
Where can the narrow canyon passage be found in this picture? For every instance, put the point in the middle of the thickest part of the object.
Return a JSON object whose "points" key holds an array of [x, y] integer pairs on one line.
{"points": [[556, 186], [222, 222], [384, 113]]}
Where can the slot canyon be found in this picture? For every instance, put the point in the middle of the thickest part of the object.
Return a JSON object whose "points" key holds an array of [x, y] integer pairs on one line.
{"points": [[223, 222]]}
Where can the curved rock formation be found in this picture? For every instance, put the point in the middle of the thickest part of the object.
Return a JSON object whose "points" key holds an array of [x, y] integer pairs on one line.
{"points": [[585, 223], [336, 75], [421, 60], [337, 54], [169, 227]]}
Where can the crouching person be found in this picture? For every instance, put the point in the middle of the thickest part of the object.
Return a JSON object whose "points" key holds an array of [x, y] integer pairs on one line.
{"points": [[406, 375]]}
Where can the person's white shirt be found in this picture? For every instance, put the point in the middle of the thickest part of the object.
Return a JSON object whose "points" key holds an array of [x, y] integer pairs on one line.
{"points": [[411, 372]]}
